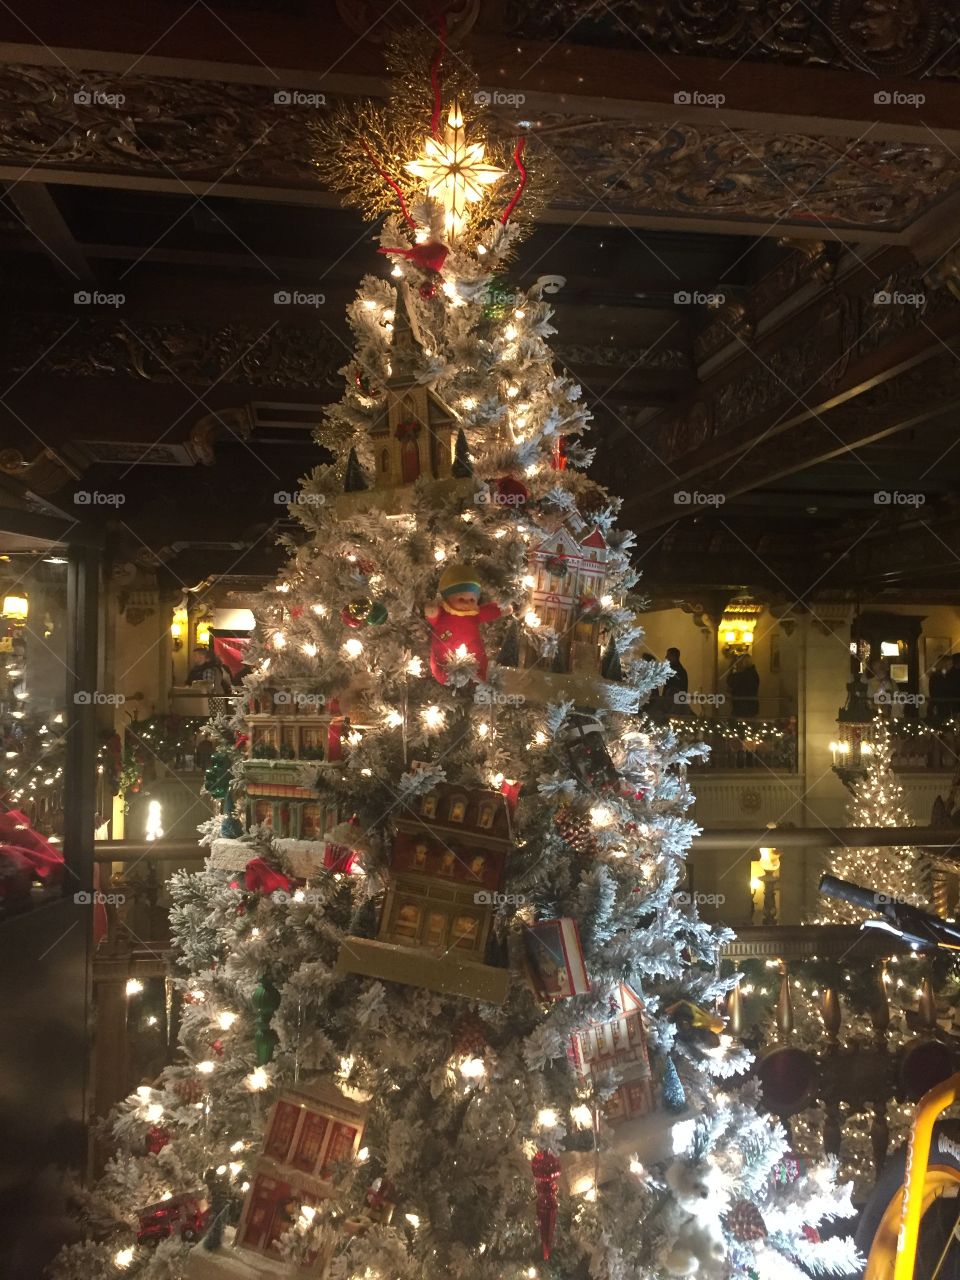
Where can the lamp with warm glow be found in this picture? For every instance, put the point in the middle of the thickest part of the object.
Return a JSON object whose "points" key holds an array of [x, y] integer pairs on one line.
{"points": [[16, 608]]}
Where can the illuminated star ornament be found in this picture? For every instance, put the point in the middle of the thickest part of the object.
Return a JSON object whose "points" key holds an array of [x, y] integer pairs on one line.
{"points": [[454, 171]]}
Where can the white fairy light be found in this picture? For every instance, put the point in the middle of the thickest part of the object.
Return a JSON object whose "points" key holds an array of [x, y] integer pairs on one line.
{"points": [[433, 717], [413, 1219], [257, 1080], [353, 647], [320, 610], [310, 649], [510, 332], [601, 816], [206, 1067], [606, 601], [415, 667], [546, 1118], [123, 1257], [154, 1113], [513, 390], [279, 640], [439, 554], [393, 719], [134, 986], [226, 1019], [473, 1069], [531, 618], [397, 270], [582, 1116], [482, 729]]}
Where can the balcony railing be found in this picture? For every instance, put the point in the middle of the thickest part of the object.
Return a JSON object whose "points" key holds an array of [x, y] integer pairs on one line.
{"points": [[770, 745]]}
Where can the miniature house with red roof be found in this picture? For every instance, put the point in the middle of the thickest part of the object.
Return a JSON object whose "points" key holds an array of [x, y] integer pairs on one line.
{"points": [[618, 1042], [312, 1131], [447, 862], [569, 571]]}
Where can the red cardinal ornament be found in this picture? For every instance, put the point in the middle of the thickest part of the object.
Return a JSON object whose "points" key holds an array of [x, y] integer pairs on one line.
{"points": [[428, 257], [546, 1174]]}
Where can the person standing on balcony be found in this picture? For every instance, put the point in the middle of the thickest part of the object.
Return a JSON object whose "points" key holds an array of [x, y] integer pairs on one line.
{"points": [[744, 685], [678, 683], [208, 668]]}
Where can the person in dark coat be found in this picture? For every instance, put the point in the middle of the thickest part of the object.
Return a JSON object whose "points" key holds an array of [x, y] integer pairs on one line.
{"points": [[678, 683], [744, 685], [207, 667], [951, 689]]}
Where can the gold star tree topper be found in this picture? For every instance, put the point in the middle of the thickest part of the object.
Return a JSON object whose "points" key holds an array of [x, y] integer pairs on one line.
{"points": [[454, 171]]}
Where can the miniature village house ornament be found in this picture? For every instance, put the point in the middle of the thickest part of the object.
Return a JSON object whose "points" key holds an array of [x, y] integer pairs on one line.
{"points": [[447, 862]]}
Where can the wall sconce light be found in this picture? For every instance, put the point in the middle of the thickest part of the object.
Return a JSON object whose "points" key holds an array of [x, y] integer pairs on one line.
{"points": [[178, 628], [16, 608], [765, 886], [203, 635], [737, 635]]}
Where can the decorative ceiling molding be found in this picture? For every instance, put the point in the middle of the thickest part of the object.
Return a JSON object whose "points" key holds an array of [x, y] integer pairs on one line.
{"points": [[882, 37], [177, 134]]}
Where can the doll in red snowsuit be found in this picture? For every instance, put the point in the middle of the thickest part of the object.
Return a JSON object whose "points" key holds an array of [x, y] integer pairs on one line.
{"points": [[456, 620]]}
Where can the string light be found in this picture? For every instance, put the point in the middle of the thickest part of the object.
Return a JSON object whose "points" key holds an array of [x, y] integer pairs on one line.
{"points": [[433, 717], [353, 647], [134, 986], [226, 1019], [415, 667], [257, 1080]]}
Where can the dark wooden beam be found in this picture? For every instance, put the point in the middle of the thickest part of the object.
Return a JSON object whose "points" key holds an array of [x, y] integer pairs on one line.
{"points": [[34, 206]]}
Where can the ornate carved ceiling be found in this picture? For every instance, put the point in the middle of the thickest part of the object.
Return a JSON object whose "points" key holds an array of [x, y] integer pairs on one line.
{"points": [[177, 133], [883, 37]]}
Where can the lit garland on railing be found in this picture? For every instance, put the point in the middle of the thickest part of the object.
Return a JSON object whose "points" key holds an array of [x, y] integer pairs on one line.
{"points": [[736, 744]]}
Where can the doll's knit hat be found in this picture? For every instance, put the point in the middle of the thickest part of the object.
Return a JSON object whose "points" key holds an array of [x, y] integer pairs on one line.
{"points": [[459, 577]]}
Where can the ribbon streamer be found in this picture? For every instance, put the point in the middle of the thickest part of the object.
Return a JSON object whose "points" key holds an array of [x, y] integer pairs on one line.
{"points": [[390, 182], [517, 153], [435, 77]]}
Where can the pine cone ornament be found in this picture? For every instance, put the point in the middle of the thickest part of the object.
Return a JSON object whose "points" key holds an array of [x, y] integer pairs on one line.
{"points": [[745, 1222], [576, 829], [469, 1035]]}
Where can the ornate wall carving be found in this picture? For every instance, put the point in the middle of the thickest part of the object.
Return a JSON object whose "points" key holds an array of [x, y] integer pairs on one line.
{"points": [[882, 37]]}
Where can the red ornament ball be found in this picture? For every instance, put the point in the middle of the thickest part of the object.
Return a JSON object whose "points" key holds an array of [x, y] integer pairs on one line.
{"points": [[508, 491], [157, 1138], [427, 291]]}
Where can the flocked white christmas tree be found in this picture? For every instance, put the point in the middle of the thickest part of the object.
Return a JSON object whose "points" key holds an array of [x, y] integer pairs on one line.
{"points": [[877, 801], [446, 965]]}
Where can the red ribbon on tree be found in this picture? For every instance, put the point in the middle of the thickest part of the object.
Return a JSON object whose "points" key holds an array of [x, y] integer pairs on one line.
{"points": [[546, 1174], [262, 878], [428, 257], [405, 429]]}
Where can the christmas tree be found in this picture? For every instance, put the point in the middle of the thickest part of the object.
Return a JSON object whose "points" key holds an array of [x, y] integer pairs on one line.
{"points": [[448, 1012], [877, 801]]}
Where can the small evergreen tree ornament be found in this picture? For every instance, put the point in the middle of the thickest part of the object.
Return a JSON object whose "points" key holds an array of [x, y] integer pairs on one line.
{"points": [[671, 1086], [354, 480], [610, 667], [462, 467]]}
